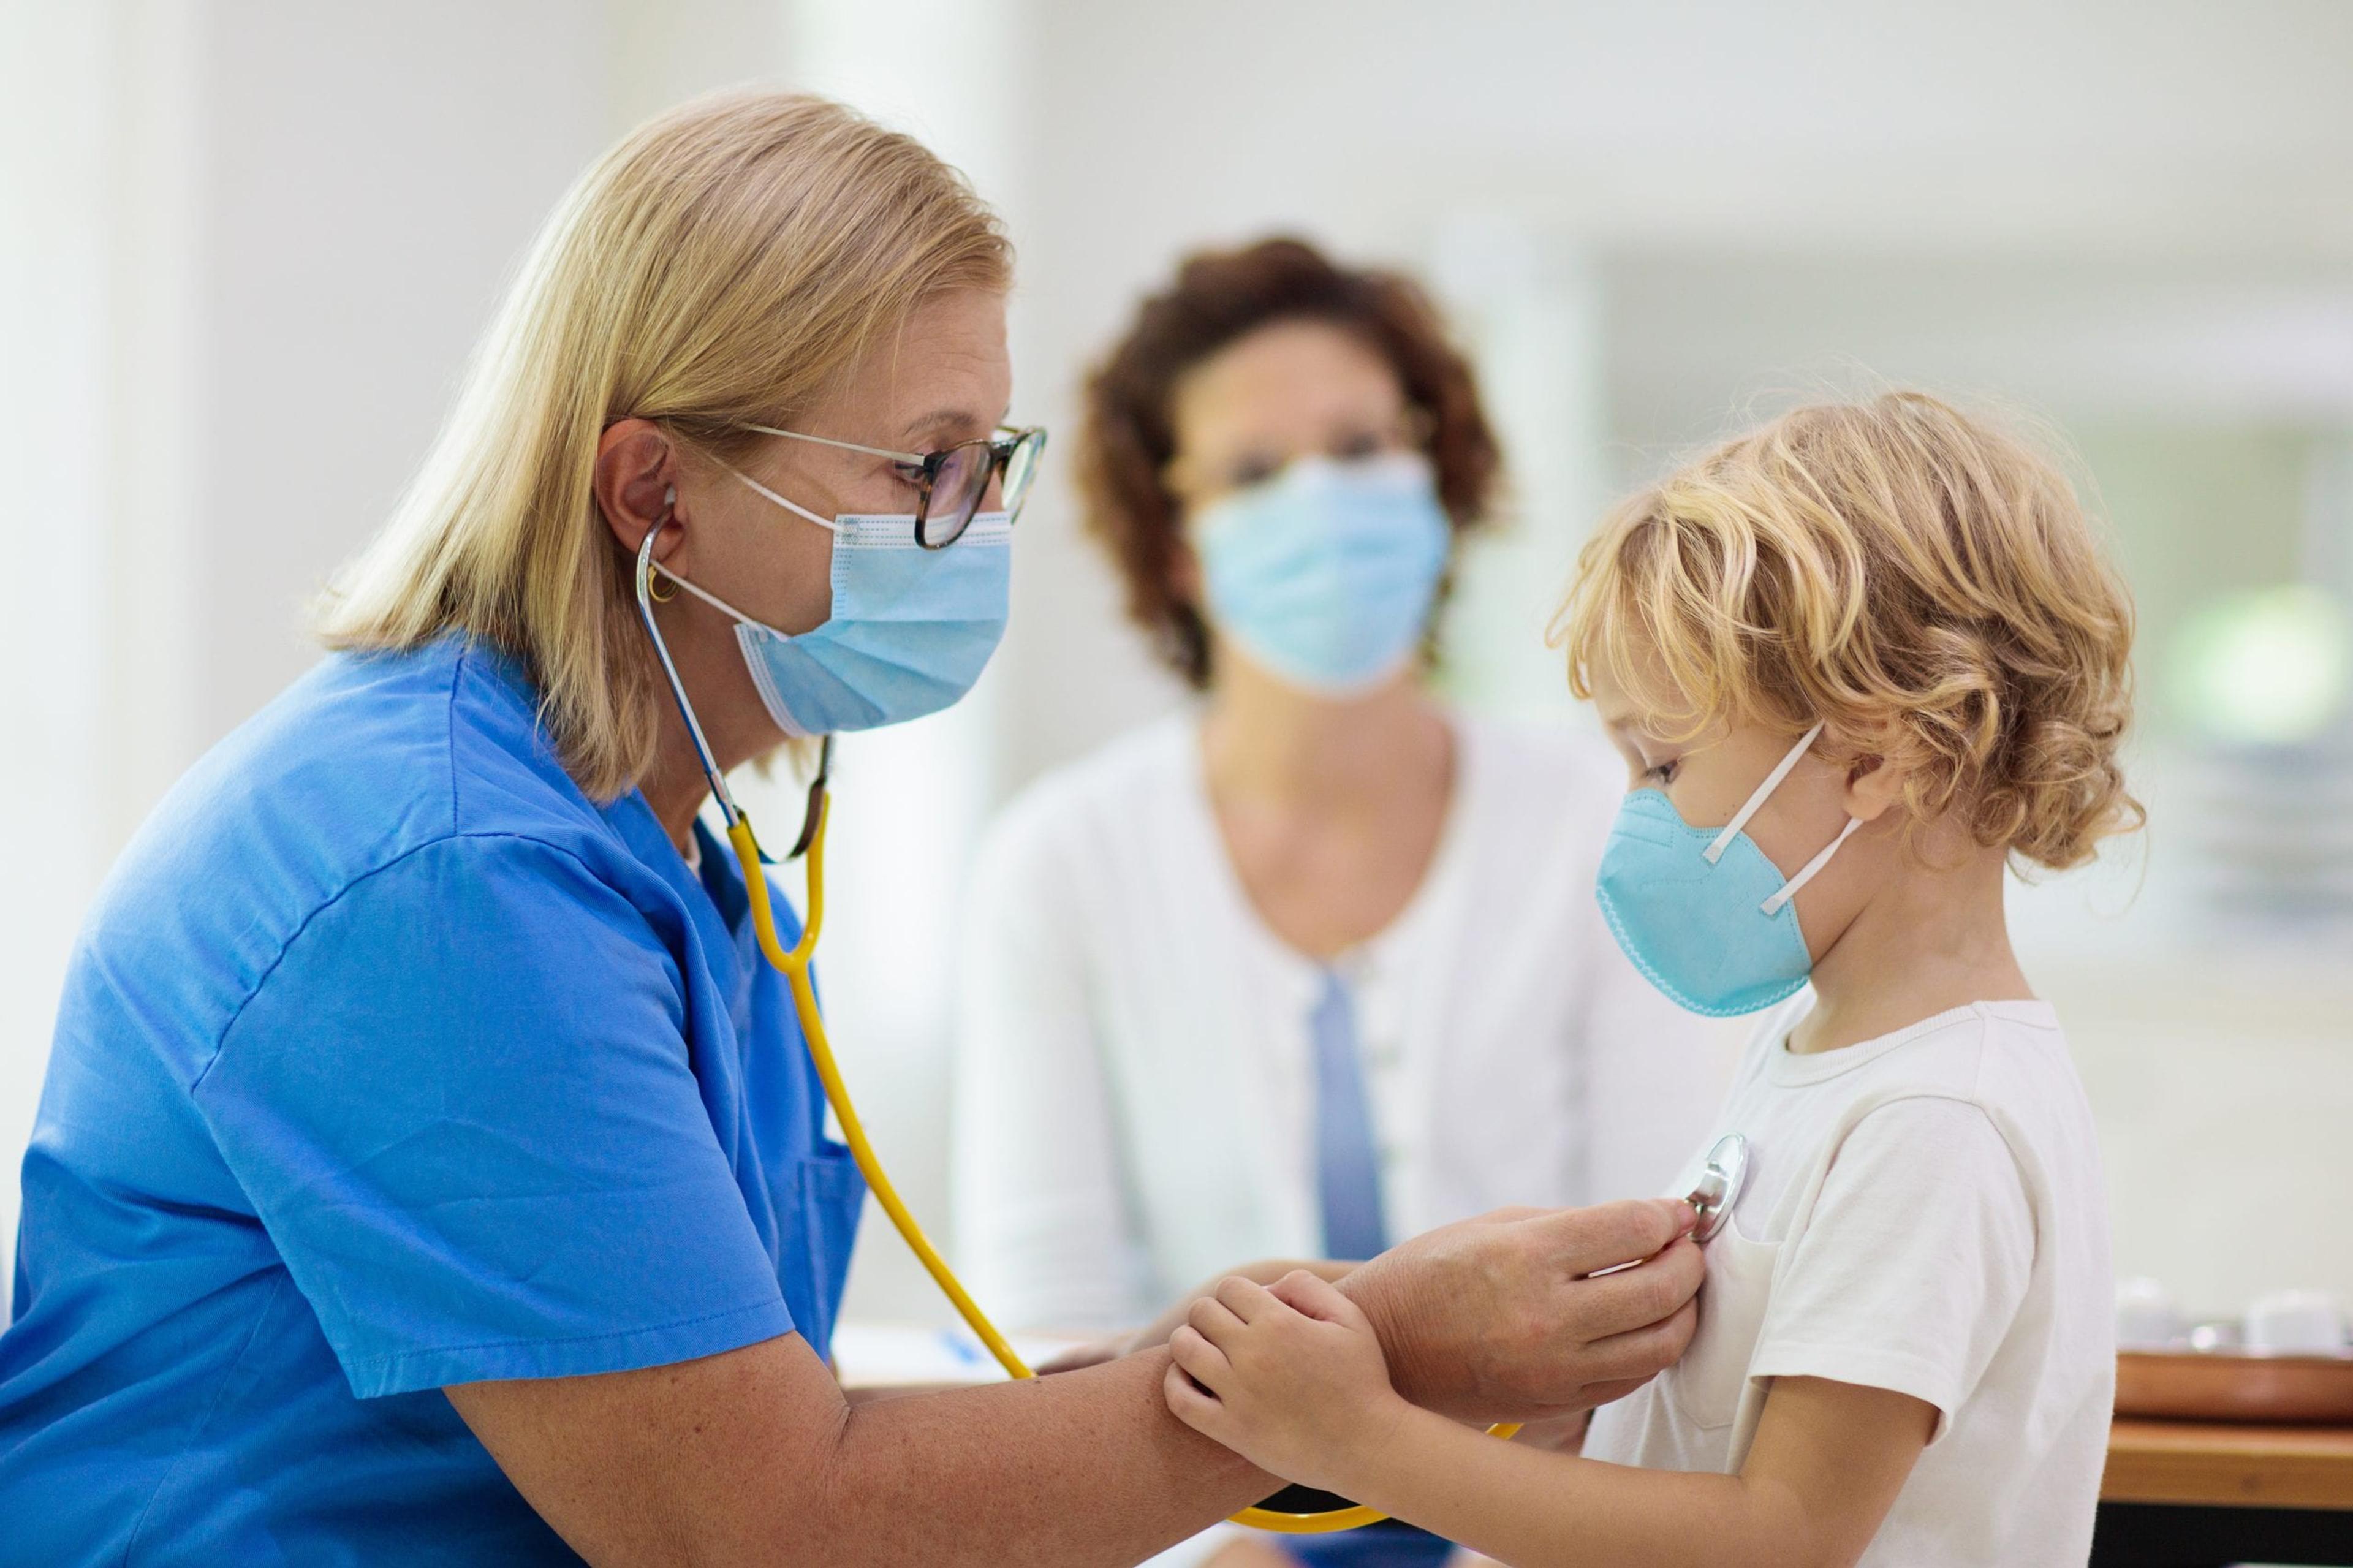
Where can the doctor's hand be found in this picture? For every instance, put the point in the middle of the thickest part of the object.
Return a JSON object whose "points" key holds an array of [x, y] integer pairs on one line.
{"points": [[1499, 1318]]}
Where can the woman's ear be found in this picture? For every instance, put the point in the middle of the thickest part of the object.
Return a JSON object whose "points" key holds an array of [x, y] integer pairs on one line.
{"points": [[636, 483], [1185, 575]]}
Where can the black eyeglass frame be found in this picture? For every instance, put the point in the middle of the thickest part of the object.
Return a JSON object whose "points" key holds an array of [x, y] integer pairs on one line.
{"points": [[1007, 444]]}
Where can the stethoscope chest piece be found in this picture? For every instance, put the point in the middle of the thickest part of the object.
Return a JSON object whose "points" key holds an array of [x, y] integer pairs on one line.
{"points": [[1721, 1183]]}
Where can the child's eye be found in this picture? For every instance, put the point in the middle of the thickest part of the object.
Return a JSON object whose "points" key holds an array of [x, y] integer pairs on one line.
{"points": [[1663, 775]]}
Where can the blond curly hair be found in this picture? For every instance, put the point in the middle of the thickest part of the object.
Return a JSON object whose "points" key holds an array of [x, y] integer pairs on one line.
{"points": [[1920, 581]]}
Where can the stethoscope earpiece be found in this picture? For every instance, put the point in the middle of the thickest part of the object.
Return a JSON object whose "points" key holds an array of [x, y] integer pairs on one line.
{"points": [[661, 592]]}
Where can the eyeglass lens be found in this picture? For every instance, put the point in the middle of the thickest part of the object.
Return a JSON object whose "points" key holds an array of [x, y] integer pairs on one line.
{"points": [[958, 486], [1021, 467], [961, 485]]}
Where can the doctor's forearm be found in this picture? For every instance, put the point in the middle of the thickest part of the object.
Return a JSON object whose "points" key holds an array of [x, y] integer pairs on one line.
{"points": [[753, 1457], [1084, 1468]]}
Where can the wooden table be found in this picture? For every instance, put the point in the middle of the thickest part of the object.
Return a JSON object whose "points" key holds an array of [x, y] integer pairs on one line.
{"points": [[2187, 1494]]}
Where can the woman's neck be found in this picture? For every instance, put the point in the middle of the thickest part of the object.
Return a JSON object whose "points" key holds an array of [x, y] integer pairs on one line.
{"points": [[1330, 812], [709, 663], [677, 786], [1273, 745], [1933, 937]]}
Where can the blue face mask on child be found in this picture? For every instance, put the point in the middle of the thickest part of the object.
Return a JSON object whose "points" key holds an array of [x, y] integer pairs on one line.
{"points": [[1703, 913], [910, 629], [1326, 573]]}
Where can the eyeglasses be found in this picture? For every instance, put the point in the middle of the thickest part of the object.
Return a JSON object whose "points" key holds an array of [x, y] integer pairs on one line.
{"points": [[1197, 483], [952, 482]]}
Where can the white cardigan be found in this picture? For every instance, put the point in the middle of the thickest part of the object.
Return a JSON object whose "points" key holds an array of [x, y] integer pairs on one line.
{"points": [[1135, 1097]]}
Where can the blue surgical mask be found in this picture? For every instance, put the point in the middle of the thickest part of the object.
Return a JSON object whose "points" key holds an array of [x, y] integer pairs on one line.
{"points": [[1703, 913], [1326, 573], [911, 628]]}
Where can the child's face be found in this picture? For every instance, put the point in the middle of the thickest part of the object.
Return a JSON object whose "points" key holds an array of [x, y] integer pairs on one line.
{"points": [[1709, 777]]}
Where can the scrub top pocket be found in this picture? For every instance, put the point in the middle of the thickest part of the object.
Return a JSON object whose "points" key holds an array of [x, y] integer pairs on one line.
{"points": [[831, 1193], [1706, 1384]]}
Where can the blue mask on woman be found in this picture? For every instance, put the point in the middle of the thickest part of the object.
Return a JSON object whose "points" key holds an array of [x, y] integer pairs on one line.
{"points": [[1703, 913], [1325, 573], [911, 628]]}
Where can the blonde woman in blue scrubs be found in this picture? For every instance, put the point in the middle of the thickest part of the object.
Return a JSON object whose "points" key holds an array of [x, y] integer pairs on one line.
{"points": [[428, 1168], [1315, 964]]}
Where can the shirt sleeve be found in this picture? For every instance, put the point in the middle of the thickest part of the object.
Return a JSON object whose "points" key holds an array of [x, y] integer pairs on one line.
{"points": [[462, 1106], [1913, 1263], [1043, 1221]]}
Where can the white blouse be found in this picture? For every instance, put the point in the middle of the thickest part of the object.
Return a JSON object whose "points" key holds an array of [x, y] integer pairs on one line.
{"points": [[1135, 1105]]}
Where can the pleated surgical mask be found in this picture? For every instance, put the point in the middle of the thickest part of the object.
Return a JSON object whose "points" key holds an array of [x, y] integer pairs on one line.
{"points": [[910, 631], [1325, 573]]}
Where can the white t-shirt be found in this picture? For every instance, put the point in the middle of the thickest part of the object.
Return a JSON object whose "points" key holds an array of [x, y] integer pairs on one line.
{"points": [[1925, 1213]]}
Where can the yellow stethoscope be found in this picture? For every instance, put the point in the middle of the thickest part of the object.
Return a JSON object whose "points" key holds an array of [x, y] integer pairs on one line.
{"points": [[1297, 1511]]}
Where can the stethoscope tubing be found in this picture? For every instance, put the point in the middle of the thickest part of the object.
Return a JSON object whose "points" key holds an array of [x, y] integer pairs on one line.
{"points": [[794, 964]]}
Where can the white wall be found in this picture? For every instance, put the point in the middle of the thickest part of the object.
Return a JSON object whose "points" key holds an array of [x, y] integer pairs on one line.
{"points": [[247, 246], [2181, 141], [55, 100], [355, 240]]}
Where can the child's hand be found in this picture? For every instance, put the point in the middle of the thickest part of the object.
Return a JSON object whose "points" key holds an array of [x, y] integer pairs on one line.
{"points": [[1291, 1377], [1153, 1335]]}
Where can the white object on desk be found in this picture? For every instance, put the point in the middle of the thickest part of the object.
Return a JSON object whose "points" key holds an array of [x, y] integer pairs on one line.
{"points": [[2307, 1322], [2146, 1318]]}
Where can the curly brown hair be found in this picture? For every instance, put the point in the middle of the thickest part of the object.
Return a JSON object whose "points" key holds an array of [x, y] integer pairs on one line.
{"points": [[1921, 580], [1127, 437]]}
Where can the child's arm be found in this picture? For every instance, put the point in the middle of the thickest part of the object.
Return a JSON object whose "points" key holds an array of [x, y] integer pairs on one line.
{"points": [[1295, 1381]]}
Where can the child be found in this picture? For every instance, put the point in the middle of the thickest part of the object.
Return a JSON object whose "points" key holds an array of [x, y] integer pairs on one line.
{"points": [[1858, 663]]}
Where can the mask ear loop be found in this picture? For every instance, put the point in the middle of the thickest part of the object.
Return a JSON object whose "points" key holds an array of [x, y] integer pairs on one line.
{"points": [[1762, 793], [1772, 906], [707, 596], [793, 507]]}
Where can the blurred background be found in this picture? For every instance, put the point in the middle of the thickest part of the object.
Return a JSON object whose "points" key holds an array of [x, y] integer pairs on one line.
{"points": [[245, 246]]}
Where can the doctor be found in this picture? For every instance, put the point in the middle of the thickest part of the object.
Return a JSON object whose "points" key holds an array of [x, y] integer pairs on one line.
{"points": [[429, 1169]]}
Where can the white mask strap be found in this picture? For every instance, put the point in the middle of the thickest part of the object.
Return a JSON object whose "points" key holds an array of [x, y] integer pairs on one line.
{"points": [[1772, 906], [825, 522], [1715, 851], [714, 600]]}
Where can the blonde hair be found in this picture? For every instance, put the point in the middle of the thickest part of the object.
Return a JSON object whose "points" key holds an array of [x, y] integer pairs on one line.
{"points": [[720, 268], [1923, 584]]}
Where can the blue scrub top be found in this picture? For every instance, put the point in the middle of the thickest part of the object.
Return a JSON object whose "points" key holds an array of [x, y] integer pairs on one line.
{"points": [[388, 1060]]}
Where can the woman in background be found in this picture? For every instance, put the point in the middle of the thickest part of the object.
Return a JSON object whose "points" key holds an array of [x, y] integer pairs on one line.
{"points": [[1315, 964]]}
